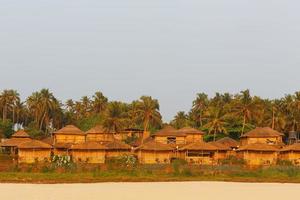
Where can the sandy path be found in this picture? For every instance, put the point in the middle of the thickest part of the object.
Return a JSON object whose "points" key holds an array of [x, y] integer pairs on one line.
{"points": [[150, 191]]}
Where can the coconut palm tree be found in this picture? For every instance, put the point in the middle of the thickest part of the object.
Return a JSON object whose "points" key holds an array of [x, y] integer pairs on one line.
{"points": [[8, 99], [245, 107], [148, 111], [199, 106], [99, 102], [180, 120], [216, 121], [115, 119]]}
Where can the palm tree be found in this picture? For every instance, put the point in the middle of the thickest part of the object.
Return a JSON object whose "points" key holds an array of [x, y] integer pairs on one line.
{"points": [[99, 102], [245, 106], [180, 120], [115, 117], [8, 99], [216, 121], [199, 106], [148, 111]]}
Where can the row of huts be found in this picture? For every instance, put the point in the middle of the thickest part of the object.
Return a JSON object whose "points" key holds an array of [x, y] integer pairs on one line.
{"points": [[261, 146]]}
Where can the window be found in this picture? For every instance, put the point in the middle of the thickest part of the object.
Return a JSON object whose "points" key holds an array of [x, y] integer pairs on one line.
{"points": [[171, 140], [199, 154]]}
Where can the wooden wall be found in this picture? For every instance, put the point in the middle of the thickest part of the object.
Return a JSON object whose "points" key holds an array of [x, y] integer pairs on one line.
{"points": [[34, 155], [275, 140], [194, 138], [88, 156], [256, 158], [68, 138], [154, 157]]}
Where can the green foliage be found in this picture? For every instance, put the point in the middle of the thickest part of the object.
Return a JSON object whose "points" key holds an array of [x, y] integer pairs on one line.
{"points": [[6, 128], [33, 130], [61, 161], [178, 165], [89, 122], [124, 161]]}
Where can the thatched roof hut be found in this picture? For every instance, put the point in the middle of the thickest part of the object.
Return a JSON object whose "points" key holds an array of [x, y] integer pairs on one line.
{"points": [[69, 134], [99, 134], [117, 145], [262, 132], [153, 152], [70, 129], [220, 146], [190, 131], [291, 153], [88, 152], [34, 151], [229, 142]]}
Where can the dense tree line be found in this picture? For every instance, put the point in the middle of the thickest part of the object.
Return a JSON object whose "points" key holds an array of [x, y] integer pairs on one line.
{"points": [[228, 114], [222, 114], [42, 112]]}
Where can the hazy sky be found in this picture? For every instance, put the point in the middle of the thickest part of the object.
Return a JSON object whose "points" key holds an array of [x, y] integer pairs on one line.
{"points": [[169, 49]]}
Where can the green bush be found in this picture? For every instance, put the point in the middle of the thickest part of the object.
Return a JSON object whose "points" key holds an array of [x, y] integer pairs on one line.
{"points": [[178, 165]]}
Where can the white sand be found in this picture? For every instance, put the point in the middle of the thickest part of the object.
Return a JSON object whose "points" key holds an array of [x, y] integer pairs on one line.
{"points": [[151, 191]]}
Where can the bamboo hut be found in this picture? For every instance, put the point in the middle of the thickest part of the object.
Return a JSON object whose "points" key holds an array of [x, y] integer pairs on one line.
{"points": [[192, 134], [88, 152], [257, 154], [34, 151], [221, 152], [117, 148], [10, 146], [264, 135], [69, 134], [229, 142], [65, 138], [99, 134], [291, 153], [202, 153], [170, 135], [153, 152]]}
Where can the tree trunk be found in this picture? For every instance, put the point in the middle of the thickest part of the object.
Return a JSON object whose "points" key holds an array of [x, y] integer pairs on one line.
{"points": [[244, 124], [42, 121], [146, 124], [214, 136]]}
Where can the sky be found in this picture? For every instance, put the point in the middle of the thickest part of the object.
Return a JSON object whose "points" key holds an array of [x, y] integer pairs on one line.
{"points": [[169, 49]]}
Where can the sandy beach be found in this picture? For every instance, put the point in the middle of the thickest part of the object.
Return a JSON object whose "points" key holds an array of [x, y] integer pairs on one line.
{"points": [[150, 191]]}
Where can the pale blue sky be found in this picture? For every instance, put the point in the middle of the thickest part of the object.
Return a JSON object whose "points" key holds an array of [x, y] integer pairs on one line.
{"points": [[169, 49]]}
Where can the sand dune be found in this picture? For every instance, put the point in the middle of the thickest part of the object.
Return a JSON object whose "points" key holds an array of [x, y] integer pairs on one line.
{"points": [[150, 191]]}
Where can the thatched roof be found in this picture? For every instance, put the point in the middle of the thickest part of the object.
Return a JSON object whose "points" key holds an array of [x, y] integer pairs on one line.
{"points": [[220, 147], [117, 145], [99, 129], [190, 131], [14, 142], [155, 146], [264, 132], [20, 134], [229, 142], [48, 140], [168, 131], [70, 129], [293, 147], [259, 147], [199, 146], [140, 141], [88, 146], [34, 144]]}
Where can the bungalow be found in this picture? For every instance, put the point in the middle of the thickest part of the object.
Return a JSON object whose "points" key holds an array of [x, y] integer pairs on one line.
{"points": [[66, 137], [10, 146], [170, 135], [98, 134], [192, 134], [88, 152], [153, 152], [256, 154], [203, 153], [34, 151], [229, 142], [264, 135], [117, 148], [291, 153]]}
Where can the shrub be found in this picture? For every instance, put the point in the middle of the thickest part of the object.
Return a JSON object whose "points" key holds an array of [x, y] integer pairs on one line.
{"points": [[232, 160], [284, 163], [177, 165]]}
